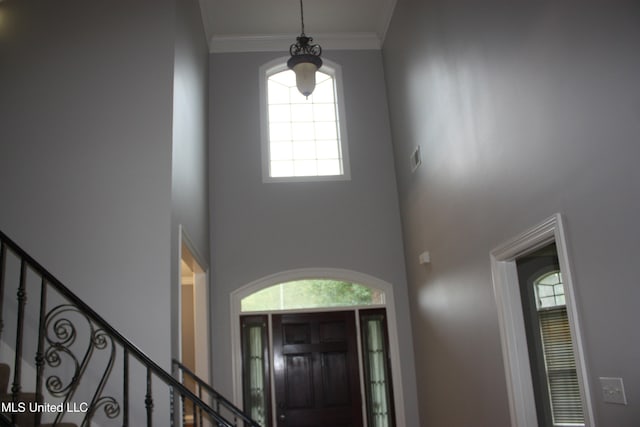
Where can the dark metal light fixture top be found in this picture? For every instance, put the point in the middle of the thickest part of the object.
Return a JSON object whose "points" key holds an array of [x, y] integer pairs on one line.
{"points": [[305, 59]]}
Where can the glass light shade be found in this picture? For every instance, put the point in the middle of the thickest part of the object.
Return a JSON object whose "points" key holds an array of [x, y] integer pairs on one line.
{"points": [[305, 77]]}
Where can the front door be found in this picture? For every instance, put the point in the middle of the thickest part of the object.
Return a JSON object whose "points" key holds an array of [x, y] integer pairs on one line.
{"points": [[316, 370]]}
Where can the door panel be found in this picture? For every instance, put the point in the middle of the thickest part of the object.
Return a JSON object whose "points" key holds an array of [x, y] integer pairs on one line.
{"points": [[299, 384], [316, 370]]}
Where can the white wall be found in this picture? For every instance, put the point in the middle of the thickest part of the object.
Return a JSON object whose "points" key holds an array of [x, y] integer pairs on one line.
{"points": [[522, 109], [189, 184], [260, 229], [85, 152]]}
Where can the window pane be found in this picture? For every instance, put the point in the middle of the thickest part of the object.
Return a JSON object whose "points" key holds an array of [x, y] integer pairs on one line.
{"points": [[282, 150], [302, 113], [305, 168], [327, 149], [549, 291], [285, 78], [310, 124], [278, 94], [324, 112], [304, 150], [280, 131], [322, 77], [282, 168], [545, 291], [311, 293], [324, 92], [326, 130], [302, 131], [329, 167], [279, 113]]}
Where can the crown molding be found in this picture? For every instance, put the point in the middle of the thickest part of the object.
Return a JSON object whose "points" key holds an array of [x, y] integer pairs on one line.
{"points": [[281, 42], [385, 20]]}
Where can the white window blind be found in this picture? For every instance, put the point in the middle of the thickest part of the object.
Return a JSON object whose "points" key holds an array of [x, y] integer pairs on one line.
{"points": [[562, 377], [560, 363]]}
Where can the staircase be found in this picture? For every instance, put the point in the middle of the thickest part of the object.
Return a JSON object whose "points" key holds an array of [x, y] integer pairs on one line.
{"points": [[27, 418], [63, 365]]}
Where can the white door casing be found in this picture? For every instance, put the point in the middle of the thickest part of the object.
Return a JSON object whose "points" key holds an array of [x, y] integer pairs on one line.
{"points": [[511, 321]]}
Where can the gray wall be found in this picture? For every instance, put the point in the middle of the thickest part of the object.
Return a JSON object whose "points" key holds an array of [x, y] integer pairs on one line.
{"points": [[85, 152], [260, 229], [522, 109], [189, 184]]}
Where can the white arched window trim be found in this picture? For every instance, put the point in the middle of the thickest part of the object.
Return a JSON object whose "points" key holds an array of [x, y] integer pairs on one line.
{"points": [[320, 273], [328, 67]]}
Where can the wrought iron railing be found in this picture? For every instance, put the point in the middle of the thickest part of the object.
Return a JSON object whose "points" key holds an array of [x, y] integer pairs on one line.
{"points": [[73, 377], [207, 394]]}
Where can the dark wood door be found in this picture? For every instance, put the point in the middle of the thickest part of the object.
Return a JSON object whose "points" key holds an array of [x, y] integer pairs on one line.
{"points": [[316, 370]]}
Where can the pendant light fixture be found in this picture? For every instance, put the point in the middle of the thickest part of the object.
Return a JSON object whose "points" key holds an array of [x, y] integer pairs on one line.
{"points": [[305, 60]]}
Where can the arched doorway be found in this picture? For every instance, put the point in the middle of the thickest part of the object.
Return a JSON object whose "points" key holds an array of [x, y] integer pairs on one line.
{"points": [[380, 297]]}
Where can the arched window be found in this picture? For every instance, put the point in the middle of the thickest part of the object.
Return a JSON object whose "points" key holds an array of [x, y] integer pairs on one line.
{"points": [[311, 293], [549, 290], [303, 139]]}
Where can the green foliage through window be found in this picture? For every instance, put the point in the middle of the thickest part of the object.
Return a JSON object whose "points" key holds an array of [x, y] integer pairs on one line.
{"points": [[311, 293]]}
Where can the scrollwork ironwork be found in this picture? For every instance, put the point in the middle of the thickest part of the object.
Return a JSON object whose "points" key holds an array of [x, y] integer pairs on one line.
{"points": [[64, 349], [110, 405], [60, 335]]}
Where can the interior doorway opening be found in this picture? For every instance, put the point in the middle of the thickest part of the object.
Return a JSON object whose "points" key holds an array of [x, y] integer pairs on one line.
{"points": [[556, 386], [533, 288], [194, 317]]}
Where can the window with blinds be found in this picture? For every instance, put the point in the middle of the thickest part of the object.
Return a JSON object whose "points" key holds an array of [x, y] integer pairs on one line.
{"points": [[559, 360]]}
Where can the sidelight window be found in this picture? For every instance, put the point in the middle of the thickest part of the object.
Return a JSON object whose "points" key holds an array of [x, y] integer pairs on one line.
{"points": [[377, 374], [255, 355]]}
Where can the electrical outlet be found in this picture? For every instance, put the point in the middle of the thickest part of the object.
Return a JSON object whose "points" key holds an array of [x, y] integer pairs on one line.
{"points": [[613, 390]]}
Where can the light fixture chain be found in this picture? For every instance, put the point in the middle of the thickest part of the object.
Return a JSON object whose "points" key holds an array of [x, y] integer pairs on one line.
{"points": [[302, 16]]}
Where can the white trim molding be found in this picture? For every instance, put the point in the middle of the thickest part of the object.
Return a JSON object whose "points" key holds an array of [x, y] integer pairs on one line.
{"points": [[315, 273], [511, 321]]}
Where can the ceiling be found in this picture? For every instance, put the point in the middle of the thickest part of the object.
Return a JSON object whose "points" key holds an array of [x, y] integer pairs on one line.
{"points": [[272, 25]]}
